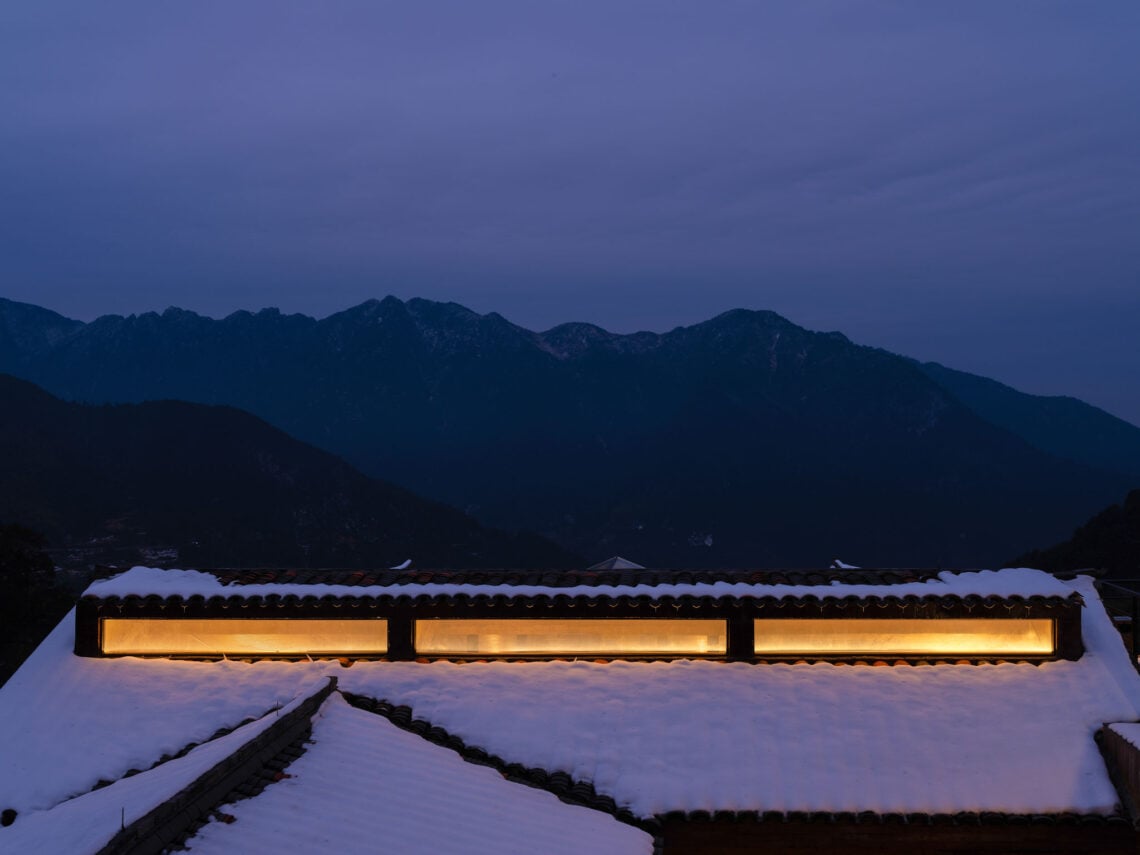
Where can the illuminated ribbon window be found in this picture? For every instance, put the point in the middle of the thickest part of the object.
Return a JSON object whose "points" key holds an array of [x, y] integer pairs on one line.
{"points": [[904, 636], [569, 637], [242, 636]]}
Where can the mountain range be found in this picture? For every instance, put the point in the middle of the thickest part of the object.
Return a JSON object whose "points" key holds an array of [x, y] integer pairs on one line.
{"points": [[169, 482], [743, 440]]}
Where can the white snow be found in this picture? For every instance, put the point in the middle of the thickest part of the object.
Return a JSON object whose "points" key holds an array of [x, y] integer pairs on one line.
{"points": [[732, 736], [88, 822], [656, 736], [71, 721], [1023, 582], [364, 780]]}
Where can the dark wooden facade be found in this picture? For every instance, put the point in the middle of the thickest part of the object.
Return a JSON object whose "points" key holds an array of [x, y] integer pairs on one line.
{"points": [[872, 834]]}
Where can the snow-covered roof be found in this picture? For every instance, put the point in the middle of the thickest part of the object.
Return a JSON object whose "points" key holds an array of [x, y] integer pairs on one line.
{"points": [[88, 821], [363, 780], [655, 736], [688, 736]]}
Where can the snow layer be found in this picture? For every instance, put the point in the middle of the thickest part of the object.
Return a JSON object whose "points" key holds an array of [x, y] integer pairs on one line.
{"points": [[71, 721], [655, 736], [364, 780], [716, 736], [88, 822], [1023, 582]]}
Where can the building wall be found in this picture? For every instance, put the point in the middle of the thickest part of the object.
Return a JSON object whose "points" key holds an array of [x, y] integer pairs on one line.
{"points": [[727, 837]]}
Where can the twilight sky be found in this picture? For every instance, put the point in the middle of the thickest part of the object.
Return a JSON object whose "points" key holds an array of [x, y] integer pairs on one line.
{"points": [[954, 181]]}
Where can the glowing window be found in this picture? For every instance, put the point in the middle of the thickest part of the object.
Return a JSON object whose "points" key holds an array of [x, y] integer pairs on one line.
{"points": [[569, 637], [904, 636], [240, 636]]}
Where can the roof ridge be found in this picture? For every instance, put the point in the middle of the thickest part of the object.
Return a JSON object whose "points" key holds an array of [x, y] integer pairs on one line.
{"points": [[102, 783], [544, 598], [271, 771], [558, 783], [169, 820]]}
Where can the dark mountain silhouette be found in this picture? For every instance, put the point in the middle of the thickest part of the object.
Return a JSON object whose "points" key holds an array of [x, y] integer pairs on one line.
{"points": [[1109, 541], [742, 440], [1059, 425], [28, 329], [207, 485]]}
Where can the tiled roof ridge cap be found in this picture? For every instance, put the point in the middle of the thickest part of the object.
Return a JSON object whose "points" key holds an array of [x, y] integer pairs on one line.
{"points": [[542, 598], [560, 784], [642, 577], [802, 577], [1012, 584], [170, 819], [167, 757], [270, 769]]}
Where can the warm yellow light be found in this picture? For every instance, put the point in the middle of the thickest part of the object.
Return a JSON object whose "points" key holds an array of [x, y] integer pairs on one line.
{"points": [[558, 637], [217, 636], [904, 636]]}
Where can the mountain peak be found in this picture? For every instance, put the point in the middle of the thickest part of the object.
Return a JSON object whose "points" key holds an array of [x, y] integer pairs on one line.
{"points": [[26, 329], [374, 306], [26, 314], [174, 313], [370, 310], [436, 311], [749, 317]]}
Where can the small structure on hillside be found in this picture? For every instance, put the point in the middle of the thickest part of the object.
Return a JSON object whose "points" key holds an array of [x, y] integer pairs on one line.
{"points": [[616, 562]]}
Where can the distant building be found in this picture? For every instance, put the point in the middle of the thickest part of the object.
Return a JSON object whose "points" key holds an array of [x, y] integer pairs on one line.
{"points": [[616, 563]]}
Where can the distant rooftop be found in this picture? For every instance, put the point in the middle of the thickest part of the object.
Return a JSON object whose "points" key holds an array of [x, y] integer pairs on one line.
{"points": [[616, 563]]}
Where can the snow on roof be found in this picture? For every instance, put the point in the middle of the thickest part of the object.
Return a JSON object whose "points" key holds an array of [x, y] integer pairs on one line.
{"points": [[364, 780], [70, 722], [660, 736], [1021, 582], [687, 736], [89, 821]]}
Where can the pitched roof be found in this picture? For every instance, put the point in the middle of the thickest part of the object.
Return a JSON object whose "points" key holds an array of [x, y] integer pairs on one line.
{"points": [[689, 735], [88, 821], [658, 737], [363, 780]]}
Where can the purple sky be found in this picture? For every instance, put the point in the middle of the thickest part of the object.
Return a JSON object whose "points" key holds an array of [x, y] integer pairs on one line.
{"points": [[956, 181]]}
